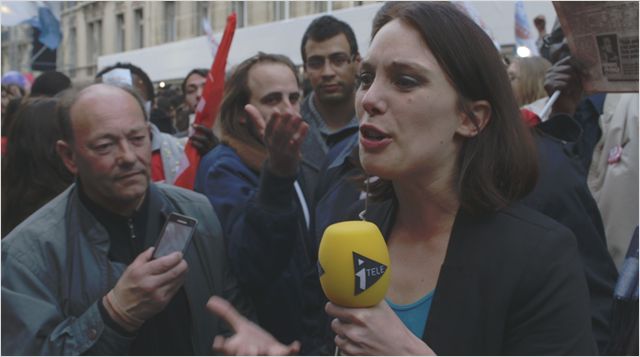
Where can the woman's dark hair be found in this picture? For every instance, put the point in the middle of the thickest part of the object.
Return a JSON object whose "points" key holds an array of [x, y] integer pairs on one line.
{"points": [[237, 95], [32, 172], [499, 165]]}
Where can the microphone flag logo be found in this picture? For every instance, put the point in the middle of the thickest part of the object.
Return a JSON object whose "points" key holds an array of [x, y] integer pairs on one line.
{"points": [[368, 272]]}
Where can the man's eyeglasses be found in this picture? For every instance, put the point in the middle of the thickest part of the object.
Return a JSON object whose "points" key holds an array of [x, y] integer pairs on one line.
{"points": [[336, 60]]}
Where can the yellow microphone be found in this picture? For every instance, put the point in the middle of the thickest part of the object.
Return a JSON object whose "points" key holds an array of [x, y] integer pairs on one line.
{"points": [[353, 263]]}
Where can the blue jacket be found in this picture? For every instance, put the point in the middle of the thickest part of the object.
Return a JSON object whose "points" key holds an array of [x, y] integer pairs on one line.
{"points": [[319, 143], [266, 237], [336, 192]]}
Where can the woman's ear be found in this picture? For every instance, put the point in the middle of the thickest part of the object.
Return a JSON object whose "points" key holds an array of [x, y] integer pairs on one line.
{"points": [[469, 128]]}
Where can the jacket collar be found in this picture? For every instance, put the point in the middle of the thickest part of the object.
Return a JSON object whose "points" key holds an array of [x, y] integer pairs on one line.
{"points": [[347, 152], [252, 156], [312, 116], [81, 223]]}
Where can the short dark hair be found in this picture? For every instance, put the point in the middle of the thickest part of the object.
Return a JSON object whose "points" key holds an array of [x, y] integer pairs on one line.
{"points": [[69, 97], [237, 95], [148, 84], [202, 72], [50, 83], [499, 165], [324, 28]]}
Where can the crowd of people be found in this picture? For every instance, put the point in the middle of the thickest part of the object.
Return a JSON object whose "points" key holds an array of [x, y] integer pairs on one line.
{"points": [[510, 230]]}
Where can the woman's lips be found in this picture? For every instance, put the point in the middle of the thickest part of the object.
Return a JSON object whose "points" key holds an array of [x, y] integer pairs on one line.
{"points": [[373, 139]]}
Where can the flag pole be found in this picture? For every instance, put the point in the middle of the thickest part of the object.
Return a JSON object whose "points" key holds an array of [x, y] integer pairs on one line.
{"points": [[40, 51]]}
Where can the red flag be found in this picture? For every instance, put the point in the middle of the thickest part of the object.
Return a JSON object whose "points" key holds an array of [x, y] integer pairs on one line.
{"points": [[209, 104]]}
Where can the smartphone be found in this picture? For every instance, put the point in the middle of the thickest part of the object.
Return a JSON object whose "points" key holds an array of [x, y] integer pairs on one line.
{"points": [[175, 235]]}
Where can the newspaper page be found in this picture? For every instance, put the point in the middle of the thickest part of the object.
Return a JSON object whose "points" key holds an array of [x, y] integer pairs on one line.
{"points": [[603, 35]]}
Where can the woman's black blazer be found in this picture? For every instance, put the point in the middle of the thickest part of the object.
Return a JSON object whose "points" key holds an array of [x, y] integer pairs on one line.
{"points": [[511, 284]]}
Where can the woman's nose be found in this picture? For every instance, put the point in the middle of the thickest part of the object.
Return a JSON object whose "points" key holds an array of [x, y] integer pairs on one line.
{"points": [[372, 100]]}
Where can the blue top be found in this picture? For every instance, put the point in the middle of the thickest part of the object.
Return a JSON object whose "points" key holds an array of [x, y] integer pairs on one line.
{"points": [[414, 315], [265, 238]]}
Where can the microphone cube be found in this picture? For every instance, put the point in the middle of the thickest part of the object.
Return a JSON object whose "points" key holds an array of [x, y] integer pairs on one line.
{"points": [[353, 263]]}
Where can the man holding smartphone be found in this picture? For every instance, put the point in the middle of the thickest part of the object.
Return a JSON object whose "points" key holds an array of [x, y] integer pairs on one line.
{"points": [[78, 275]]}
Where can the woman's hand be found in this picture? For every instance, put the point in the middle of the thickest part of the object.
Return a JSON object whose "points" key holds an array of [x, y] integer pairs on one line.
{"points": [[375, 330]]}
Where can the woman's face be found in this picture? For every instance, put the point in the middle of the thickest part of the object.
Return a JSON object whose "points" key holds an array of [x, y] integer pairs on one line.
{"points": [[407, 109]]}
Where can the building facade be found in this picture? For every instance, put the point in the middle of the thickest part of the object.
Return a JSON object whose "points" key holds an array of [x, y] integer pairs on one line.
{"points": [[162, 35], [94, 28], [16, 48]]}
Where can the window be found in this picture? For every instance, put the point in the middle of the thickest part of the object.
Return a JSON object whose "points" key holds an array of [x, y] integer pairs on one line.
{"points": [[94, 41], [240, 8], [72, 51], [202, 13], [281, 10], [90, 44], [138, 29], [320, 6], [169, 21], [97, 35], [24, 56], [120, 33]]}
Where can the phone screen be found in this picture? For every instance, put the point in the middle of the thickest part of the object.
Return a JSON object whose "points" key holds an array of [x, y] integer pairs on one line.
{"points": [[175, 236]]}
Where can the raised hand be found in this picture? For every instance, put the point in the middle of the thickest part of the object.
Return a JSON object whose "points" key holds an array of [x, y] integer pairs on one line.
{"points": [[249, 339], [374, 330], [283, 135], [145, 288], [566, 76]]}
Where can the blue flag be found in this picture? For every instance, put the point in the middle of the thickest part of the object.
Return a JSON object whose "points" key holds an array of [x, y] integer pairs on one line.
{"points": [[49, 27]]}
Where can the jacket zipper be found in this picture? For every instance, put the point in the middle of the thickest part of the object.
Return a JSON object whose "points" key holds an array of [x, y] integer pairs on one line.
{"points": [[131, 230]]}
